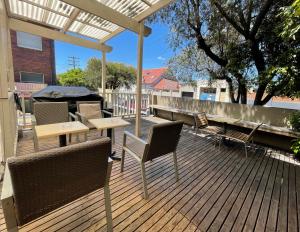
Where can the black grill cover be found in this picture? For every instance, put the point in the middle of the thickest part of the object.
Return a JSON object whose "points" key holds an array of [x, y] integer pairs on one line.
{"points": [[69, 94]]}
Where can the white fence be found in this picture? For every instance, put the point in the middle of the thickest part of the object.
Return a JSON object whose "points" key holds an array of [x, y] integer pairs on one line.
{"points": [[124, 104]]}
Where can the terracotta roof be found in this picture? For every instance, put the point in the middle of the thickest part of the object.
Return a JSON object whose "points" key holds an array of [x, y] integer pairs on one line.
{"points": [[165, 84], [152, 78], [151, 75]]}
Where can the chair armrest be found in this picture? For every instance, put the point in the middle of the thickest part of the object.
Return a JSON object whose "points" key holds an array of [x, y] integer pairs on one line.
{"points": [[7, 201], [33, 120], [107, 112], [81, 117], [132, 136], [72, 116]]}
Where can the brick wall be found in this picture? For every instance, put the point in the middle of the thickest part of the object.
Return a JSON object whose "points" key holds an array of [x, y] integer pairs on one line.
{"points": [[29, 60]]}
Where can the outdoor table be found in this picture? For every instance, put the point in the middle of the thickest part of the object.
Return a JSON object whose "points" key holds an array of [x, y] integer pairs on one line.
{"points": [[60, 129], [109, 124]]}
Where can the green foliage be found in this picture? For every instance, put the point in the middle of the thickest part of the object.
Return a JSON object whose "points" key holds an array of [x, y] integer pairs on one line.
{"points": [[291, 23], [118, 75], [73, 77], [294, 121], [93, 73], [296, 148], [236, 41]]}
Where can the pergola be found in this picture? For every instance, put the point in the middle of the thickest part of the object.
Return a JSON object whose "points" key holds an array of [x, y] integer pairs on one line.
{"points": [[87, 23]]}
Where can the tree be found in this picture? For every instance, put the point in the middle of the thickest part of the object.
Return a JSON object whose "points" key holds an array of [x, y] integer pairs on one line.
{"points": [[240, 40], [73, 77], [117, 74], [93, 73]]}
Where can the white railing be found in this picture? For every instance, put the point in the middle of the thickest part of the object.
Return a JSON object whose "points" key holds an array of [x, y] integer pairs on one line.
{"points": [[123, 104]]}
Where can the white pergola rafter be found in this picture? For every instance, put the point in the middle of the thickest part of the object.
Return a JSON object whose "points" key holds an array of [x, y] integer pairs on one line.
{"points": [[107, 13], [150, 11], [19, 25], [72, 18]]}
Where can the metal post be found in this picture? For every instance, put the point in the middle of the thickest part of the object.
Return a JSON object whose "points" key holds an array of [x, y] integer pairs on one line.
{"points": [[103, 76]]}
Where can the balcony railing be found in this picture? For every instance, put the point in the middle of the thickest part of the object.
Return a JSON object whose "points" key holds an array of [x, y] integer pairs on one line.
{"points": [[124, 104]]}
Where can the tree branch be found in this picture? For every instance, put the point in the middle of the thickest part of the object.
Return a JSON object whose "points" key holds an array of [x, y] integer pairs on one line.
{"points": [[260, 17], [229, 19]]}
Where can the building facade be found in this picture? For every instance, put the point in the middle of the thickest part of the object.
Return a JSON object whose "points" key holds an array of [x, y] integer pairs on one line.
{"points": [[33, 58]]}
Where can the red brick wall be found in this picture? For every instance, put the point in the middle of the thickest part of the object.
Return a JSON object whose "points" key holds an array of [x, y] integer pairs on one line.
{"points": [[29, 60]]}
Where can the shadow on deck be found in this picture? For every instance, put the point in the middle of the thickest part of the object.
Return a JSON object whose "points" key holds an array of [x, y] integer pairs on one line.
{"points": [[217, 191]]}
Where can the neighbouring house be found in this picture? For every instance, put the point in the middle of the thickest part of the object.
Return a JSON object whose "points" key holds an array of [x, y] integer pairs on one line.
{"points": [[155, 79], [33, 58]]}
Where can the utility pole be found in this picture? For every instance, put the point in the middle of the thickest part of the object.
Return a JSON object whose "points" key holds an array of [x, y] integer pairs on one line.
{"points": [[73, 62]]}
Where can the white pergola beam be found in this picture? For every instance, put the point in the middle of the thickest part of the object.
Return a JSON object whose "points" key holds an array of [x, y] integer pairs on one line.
{"points": [[107, 13], [154, 8], [19, 25], [146, 2], [73, 16]]}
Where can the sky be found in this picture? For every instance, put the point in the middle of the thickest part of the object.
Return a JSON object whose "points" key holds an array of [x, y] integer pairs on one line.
{"points": [[156, 50]]}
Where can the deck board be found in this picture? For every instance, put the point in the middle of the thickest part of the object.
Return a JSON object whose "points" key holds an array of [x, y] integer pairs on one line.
{"points": [[218, 190]]}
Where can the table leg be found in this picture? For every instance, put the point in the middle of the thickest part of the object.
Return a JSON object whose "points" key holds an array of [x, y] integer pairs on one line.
{"points": [[62, 140], [112, 156]]}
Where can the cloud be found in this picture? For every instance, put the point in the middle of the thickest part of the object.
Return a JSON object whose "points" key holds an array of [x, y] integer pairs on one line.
{"points": [[161, 58]]}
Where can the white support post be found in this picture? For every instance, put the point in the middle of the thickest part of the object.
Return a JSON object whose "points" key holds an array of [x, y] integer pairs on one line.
{"points": [[139, 80], [103, 75]]}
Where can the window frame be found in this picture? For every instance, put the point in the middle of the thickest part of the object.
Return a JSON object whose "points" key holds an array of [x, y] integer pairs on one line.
{"points": [[43, 76], [21, 45]]}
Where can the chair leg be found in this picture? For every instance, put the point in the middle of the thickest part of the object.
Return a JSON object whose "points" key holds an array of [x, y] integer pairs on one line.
{"points": [[175, 165], [246, 150], [108, 208], [70, 138], [220, 140], [122, 160], [144, 180], [113, 136], [35, 142]]}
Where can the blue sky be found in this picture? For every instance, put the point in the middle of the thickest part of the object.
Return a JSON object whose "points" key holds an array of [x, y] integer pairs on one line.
{"points": [[156, 50]]}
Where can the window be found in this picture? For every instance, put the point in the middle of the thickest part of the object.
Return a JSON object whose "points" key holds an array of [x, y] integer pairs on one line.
{"points": [[29, 77], [223, 90], [30, 41]]}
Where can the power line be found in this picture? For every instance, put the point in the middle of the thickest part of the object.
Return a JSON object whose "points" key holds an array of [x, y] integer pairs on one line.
{"points": [[74, 62]]}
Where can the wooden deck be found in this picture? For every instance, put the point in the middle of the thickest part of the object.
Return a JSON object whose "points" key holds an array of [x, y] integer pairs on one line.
{"points": [[217, 191]]}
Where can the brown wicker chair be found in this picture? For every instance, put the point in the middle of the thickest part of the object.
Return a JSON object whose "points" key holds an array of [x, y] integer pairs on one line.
{"points": [[90, 110], [241, 137], [163, 139], [47, 113], [37, 184]]}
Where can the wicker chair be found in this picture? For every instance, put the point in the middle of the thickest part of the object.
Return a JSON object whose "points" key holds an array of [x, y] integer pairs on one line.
{"points": [[240, 137], [47, 113], [90, 110], [163, 139], [37, 184]]}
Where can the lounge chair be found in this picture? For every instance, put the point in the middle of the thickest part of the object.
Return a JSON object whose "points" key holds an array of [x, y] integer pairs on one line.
{"points": [[241, 137], [37, 184], [201, 123], [163, 139], [48, 113]]}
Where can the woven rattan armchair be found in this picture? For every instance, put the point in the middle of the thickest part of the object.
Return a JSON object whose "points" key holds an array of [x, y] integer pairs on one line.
{"points": [[91, 110], [39, 183], [163, 139], [47, 113], [246, 139]]}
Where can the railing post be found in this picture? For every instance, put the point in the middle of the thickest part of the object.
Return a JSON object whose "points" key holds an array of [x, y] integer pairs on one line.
{"points": [[23, 111]]}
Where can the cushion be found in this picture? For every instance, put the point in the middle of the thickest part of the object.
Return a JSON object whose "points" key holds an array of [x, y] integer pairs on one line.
{"points": [[90, 111]]}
